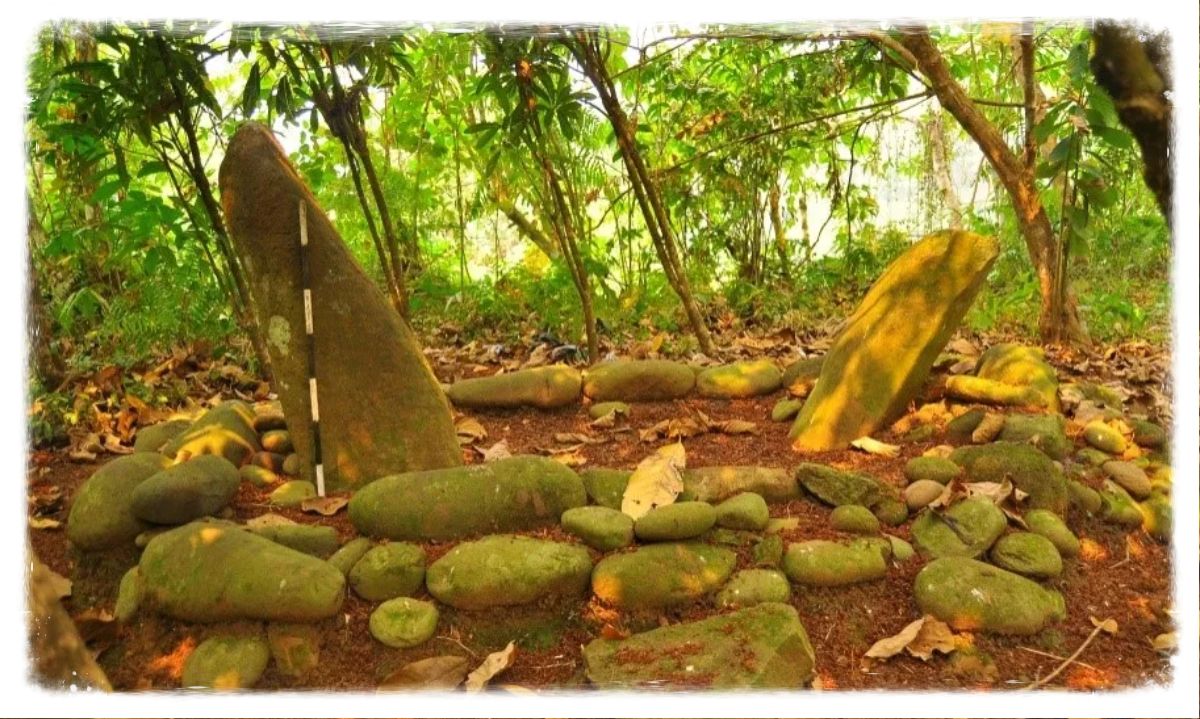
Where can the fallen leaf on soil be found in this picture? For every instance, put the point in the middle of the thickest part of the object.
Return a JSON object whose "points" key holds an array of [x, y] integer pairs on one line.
{"points": [[920, 639], [495, 663], [944, 498], [962, 346], [734, 426], [44, 523], [656, 481], [874, 446], [578, 438], [325, 506], [1108, 625], [469, 430], [1165, 643], [997, 492], [571, 458], [81, 455], [270, 519], [498, 450], [989, 428], [606, 421], [433, 673]]}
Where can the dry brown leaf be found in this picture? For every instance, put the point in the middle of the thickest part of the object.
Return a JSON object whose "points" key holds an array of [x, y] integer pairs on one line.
{"points": [[1107, 625], [433, 673], [469, 430], [1166, 642], [962, 346], [325, 506], [44, 523], [498, 450], [989, 428], [945, 497], [893, 645], [570, 458], [874, 446], [492, 665], [657, 481], [734, 426], [606, 421], [997, 492], [270, 519], [920, 638], [578, 438]]}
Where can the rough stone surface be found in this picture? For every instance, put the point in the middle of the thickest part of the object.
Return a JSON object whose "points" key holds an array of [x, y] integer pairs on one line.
{"points": [[196, 488], [382, 410], [520, 492], [717, 483], [257, 476], [1027, 553], [395, 569], [214, 571], [1118, 507], [761, 647], [661, 575], [1149, 435], [754, 586], [836, 487], [500, 571], [767, 551], [961, 427], [972, 596], [102, 515], [604, 486], [313, 539], [154, 437], [1021, 366], [935, 469], [1047, 432], [854, 518], [403, 622], [747, 511], [600, 528], [1157, 517], [226, 662], [681, 520], [1030, 471], [882, 358], [345, 558], [542, 387], [1130, 476], [786, 409], [292, 493], [902, 551], [1083, 497], [891, 512], [129, 595], [967, 529], [1091, 456], [277, 441], [749, 378], [1052, 527], [638, 380], [921, 492], [1104, 438], [224, 430], [822, 563]]}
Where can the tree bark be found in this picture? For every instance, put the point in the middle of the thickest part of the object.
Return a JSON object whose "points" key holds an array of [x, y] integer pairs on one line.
{"points": [[1058, 318], [781, 243], [940, 158], [527, 228]]}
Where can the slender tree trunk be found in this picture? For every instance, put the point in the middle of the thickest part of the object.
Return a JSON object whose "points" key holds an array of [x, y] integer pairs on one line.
{"points": [[1059, 316], [806, 235], [586, 49], [781, 243], [527, 228], [940, 158], [47, 365]]}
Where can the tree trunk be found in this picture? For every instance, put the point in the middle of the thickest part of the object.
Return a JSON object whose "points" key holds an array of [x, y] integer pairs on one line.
{"points": [[47, 365], [525, 226], [781, 243], [1058, 319], [940, 158], [586, 49]]}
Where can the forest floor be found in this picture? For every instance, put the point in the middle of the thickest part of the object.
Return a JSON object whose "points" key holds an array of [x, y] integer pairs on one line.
{"points": [[1124, 575]]}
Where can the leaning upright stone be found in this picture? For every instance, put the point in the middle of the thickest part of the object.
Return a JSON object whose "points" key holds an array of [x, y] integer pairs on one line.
{"points": [[381, 409], [884, 354]]}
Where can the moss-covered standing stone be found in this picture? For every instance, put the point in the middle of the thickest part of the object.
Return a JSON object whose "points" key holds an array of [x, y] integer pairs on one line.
{"points": [[883, 356], [970, 595], [520, 492], [102, 515], [226, 662], [395, 569], [661, 575], [500, 571], [638, 380], [542, 387], [403, 622], [764, 646], [1027, 553], [601, 528], [822, 563], [749, 378]]}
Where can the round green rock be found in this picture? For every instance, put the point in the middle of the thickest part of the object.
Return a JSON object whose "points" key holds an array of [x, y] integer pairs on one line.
{"points": [[291, 494], [403, 622], [395, 569], [935, 469], [227, 662], [746, 511], [754, 586], [600, 528], [1051, 526], [682, 520], [854, 518], [1027, 553]]}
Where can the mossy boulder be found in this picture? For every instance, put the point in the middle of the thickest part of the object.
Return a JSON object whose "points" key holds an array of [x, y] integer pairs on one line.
{"points": [[196, 488], [605, 487], [964, 425], [1052, 527], [717, 483], [638, 380], [1117, 507], [767, 551], [296, 648], [891, 512], [382, 410], [214, 571], [786, 409], [520, 492], [348, 555], [258, 476], [902, 551], [747, 511], [156, 436], [967, 529], [800, 376], [269, 419], [881, 359], [1083, 497], [542, 387], [395, 569], [1030, 470], [403, 622], [1021, 366], [754, 586], [749, 378], [1130, 476], [101, 516], [1047, 432], [1091, 457], [278, 441], [312, 539], [227, 662], [225, 430], [670, 522], [854, 518], [1148, 434], [129, 595], [1029, 554], [500, 571], [268, 460], [761, 647], [973, 596], [969, 388], [600, 528], [602, 409], [822, 563], [292, 493], [661, 575], [837, 487], [934, 469], [1104, 438], [1157, 516], [921, 492]]}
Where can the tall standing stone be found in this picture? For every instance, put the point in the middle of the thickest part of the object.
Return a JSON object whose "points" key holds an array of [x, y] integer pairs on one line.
{"points": [[382, 411], [883, 356]]}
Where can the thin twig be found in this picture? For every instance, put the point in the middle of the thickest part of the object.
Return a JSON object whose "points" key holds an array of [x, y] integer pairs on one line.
{"points": [[1054, 656], [1046, 679]]}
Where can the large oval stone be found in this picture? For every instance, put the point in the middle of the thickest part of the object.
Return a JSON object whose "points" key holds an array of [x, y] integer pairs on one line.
{"points": [[750, 378], [966, 529], [501, 571], [226, 430], [680, 520], [102, 515], [638, 380], [764, 646], [822, 563], [505, 495], [215, 571], [1029, 469], [717, 482], [154, 437], [1027, 553], [662, 575], [542, 387], [226, 662], [196, 488], [395, 569], [970, 595]]}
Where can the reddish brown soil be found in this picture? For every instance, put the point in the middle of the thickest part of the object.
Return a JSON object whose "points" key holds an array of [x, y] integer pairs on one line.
{"points": [[842, 623]]}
